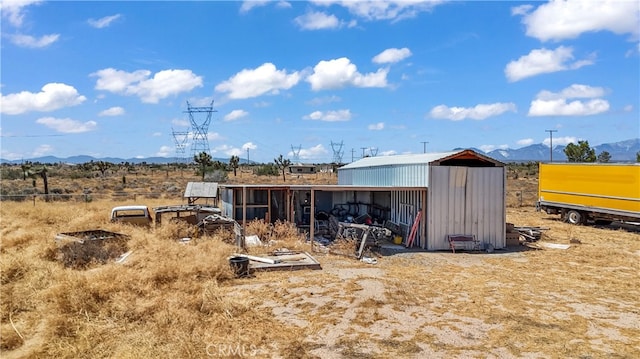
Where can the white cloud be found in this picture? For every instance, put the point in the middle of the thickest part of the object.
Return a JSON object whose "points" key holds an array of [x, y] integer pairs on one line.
{"points": [[489, 148], [67, 125], [113, 111], [42, 150], [13, 10], [543, 61], [214, 136], [329, 116], [573, 91], [249, 145], [388, 153], [628, 108], [165, 151], [479, 112], [394, 10], [392, 55], [103, 22], [33, 42], [561, 20], [256, 82], [250, 4], [317, 101], [525, 142], [156, 134], [150, 90], [315, 20], [521, 9], [235, 114], [376, 126], [548, 103], [52, 97], [338, 73], [313, 152], [560, 141], [180, 122], [561, 107]]}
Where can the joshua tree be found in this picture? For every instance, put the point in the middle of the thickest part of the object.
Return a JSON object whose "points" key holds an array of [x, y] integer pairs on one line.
{"points": [[282, 164], [234, 163], [203, 159], [42, 173]]}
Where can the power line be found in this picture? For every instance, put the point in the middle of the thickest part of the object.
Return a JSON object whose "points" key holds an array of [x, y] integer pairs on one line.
{"points": [[200, 129], [337, 152], [296, 153], [424, 144], [551, 143]]}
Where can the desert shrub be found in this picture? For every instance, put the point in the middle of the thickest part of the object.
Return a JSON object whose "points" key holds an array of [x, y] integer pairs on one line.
{"points": [[269, 169], [7, 173], [82, 254]]}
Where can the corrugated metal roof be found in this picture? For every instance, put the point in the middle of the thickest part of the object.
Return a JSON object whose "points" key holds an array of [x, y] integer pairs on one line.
{"points": [[420, 158], [201, 190]]}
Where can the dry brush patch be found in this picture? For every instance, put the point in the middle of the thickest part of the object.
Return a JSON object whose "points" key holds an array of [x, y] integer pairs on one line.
{"points": [[181, 300]]}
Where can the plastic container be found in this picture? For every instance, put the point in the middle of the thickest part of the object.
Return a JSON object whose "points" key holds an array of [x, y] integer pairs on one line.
{"points": [[397, 239], [240, 266]]}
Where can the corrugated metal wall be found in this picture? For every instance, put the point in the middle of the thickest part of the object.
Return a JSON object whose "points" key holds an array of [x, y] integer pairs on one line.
{"points": [[466, 200], [226, 202], [410, 175]]}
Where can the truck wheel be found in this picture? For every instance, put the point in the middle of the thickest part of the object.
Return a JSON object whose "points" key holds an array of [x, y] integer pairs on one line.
{"points": [[574, 217]]}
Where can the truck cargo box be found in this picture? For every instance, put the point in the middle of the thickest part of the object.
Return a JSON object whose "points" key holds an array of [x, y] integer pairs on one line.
{"points": [[590, 191]]}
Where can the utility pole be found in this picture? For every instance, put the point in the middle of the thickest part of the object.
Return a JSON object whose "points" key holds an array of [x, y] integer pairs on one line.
{"points": [[353, 151], [247, 155], [363, 148], [551, 143], [424, 144]]}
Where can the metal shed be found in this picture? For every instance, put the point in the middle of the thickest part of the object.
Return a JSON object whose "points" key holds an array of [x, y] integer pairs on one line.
{"points": [[201, 190], [466, 196], [465, 192]]}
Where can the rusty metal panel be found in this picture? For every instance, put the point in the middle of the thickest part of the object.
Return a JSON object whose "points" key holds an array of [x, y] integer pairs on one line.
{"points": [[201, 190], [466, 200]]}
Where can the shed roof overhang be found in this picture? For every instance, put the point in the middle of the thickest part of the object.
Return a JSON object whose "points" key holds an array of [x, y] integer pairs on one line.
{"points": [[468, 158]]}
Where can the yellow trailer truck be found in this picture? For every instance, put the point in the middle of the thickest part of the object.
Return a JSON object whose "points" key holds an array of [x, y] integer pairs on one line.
{"points": [[582, 192]]}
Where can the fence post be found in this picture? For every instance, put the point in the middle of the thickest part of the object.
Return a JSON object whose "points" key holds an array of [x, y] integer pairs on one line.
{"points": [[34, 200], [520, 198]]}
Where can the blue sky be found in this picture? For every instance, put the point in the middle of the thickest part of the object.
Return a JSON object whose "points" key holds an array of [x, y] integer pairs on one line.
{"points": [[383, 77]]}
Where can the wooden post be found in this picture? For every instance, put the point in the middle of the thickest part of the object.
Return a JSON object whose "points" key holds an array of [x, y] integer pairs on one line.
{"points": [[312, 218]]}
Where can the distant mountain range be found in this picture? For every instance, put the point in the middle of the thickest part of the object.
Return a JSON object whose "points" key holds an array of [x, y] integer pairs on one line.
{"points": [[75, 160], [623, 151]]}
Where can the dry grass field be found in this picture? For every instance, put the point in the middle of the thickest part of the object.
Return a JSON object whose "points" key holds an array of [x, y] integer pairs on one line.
{"points": [[170, 299]]}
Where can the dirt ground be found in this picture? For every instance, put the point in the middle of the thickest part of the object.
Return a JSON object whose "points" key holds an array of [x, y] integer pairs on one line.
{"points": [[170, 299], [583, 302]]}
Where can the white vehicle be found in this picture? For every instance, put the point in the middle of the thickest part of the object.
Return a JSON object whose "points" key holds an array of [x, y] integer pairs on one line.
{"points": [[137, 215]]}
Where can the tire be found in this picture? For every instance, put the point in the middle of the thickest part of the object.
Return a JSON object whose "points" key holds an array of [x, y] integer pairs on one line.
{"points": [[575, 217]]}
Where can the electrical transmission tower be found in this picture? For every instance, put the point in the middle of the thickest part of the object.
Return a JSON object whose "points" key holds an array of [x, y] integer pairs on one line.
{"points": [[200, 129], [373, 151], [337, 152], [296, 153], [180, 139]]}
